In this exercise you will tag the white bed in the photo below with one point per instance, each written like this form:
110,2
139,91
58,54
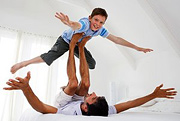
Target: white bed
30,115
159,111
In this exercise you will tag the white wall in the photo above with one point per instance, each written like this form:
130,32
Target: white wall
158,68
162,65
37,16
111,68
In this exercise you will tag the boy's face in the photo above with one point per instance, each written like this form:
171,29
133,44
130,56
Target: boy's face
97,22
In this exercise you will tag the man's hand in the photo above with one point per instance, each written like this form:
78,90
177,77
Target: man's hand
21,84
158,93
164,93
145,50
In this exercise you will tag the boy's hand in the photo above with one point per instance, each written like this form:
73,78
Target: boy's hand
64,18
21,84
164,93
145,50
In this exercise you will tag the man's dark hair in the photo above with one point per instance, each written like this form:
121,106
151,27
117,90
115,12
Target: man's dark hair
99,11
99,108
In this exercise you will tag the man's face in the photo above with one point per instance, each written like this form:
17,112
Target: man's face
91,98
97,22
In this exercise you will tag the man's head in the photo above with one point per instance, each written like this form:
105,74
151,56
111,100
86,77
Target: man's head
97,18
95,106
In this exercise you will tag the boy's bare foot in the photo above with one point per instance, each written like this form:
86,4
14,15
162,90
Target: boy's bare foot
16,67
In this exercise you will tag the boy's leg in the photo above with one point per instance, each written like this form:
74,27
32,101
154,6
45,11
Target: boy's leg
90,60
59,48
22,64
71,88
84,70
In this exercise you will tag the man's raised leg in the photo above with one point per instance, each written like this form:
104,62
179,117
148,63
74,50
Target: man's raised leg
84,70
71,68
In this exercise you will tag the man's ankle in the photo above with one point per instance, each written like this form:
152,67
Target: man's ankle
71,46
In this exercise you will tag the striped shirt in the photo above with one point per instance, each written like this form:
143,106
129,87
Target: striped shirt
85,28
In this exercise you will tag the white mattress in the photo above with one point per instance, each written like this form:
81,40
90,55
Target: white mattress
31,115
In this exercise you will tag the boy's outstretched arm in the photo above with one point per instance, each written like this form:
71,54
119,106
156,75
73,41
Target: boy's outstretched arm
158,93
23,84
65,19
123,42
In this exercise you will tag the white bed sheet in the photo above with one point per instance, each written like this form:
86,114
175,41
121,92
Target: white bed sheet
31,115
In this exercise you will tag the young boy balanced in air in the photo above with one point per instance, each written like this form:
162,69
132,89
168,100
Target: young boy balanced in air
90,26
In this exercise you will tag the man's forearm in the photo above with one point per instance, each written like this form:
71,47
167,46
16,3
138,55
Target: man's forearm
33,100
23,84
133,103
141,101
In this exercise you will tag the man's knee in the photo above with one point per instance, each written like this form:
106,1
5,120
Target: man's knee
85,83
73,84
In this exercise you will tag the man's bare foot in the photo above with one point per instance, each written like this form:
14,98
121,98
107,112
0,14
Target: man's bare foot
75,39
16,67
83,42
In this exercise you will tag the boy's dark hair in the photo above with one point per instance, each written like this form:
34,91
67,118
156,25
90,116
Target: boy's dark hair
99,108
99,11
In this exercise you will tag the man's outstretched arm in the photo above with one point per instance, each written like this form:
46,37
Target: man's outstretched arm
23,84
158,93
